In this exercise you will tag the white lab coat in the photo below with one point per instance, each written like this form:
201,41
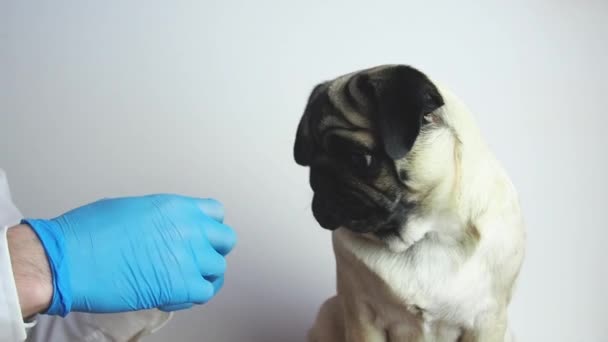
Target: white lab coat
76,326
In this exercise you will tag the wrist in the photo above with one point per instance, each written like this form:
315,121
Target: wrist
31,270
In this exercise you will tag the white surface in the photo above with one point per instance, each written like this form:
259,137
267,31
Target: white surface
122,97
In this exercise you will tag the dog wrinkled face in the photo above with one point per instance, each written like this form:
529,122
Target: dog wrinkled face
353,130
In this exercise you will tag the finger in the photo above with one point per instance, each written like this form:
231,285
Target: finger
199,291
217,282
222,238
175,307
209,261
211,208
202,292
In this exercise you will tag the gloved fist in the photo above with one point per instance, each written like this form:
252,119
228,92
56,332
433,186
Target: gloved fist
135,253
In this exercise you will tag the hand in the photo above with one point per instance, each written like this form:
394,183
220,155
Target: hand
134,253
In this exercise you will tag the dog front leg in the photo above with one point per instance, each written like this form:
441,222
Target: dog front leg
329,324
491,327
359,323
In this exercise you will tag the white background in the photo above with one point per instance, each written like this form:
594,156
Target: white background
111,98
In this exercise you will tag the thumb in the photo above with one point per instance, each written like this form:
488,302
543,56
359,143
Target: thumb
211,208
175,307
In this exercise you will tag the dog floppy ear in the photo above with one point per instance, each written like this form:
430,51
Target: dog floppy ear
404,96
303,148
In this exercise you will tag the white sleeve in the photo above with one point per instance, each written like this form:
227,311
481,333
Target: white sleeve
12,327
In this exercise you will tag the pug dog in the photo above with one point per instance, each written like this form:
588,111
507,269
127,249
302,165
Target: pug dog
427,231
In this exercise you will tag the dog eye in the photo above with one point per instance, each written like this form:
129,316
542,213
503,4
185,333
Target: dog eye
432,118
361,160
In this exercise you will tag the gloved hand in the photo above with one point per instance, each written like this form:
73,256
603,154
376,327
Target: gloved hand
134,253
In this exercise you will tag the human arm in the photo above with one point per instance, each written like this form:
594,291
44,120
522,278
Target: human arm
31,270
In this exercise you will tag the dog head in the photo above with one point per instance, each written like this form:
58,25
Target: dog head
381,147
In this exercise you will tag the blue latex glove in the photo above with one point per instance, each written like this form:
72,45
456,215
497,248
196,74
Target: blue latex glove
134,253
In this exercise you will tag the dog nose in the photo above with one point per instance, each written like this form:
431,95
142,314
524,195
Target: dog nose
322,179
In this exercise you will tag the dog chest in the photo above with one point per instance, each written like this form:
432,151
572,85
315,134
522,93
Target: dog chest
426,280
